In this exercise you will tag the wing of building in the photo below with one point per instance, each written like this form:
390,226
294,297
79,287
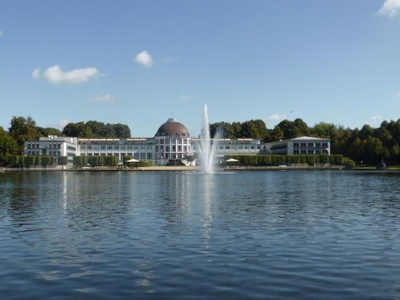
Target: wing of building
300,145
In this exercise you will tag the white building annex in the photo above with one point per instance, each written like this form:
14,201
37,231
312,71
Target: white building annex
301,145
53,146
172,144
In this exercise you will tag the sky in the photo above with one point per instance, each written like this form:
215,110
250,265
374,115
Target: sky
140,62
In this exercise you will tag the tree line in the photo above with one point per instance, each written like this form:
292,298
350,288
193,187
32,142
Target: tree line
25,129
367,145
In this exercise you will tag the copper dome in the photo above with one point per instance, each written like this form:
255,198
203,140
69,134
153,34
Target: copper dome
172,128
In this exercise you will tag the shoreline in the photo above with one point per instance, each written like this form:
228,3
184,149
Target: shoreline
177,169
196,169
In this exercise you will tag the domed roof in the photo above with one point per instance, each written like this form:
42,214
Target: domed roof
172,128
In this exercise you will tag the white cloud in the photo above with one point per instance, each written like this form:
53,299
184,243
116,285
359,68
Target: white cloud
276,117
186,97
104,98
377,118
144,58
57,76
398,95
390,8
375,121
36,73
1,33
62,123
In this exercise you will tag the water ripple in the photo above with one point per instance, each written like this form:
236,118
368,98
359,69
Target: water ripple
272,235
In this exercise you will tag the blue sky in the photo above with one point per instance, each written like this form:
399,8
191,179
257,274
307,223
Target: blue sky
140,62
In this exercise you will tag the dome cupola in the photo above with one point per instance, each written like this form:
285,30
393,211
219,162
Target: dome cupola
172,128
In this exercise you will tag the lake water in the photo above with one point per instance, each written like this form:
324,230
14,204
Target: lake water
141,235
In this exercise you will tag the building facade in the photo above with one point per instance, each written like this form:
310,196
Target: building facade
54,146
171,143
301,145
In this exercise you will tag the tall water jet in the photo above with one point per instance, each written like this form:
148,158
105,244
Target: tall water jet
208,147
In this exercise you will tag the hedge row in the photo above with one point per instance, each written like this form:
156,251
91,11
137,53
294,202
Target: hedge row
276,160
37,160
107,161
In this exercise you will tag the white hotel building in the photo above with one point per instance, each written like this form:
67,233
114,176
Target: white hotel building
171,143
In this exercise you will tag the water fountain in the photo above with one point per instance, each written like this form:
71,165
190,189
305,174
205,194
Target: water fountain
208,148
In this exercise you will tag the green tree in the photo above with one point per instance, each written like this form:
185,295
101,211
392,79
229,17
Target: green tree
277,134
23,129
95,129
225,129
301,128
122,131
111,160
8,147
237,129
49,131
62,161
75,130
254,129
30,161
292,130
366,132
80,161
324,130
46,161
373,150
342,140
